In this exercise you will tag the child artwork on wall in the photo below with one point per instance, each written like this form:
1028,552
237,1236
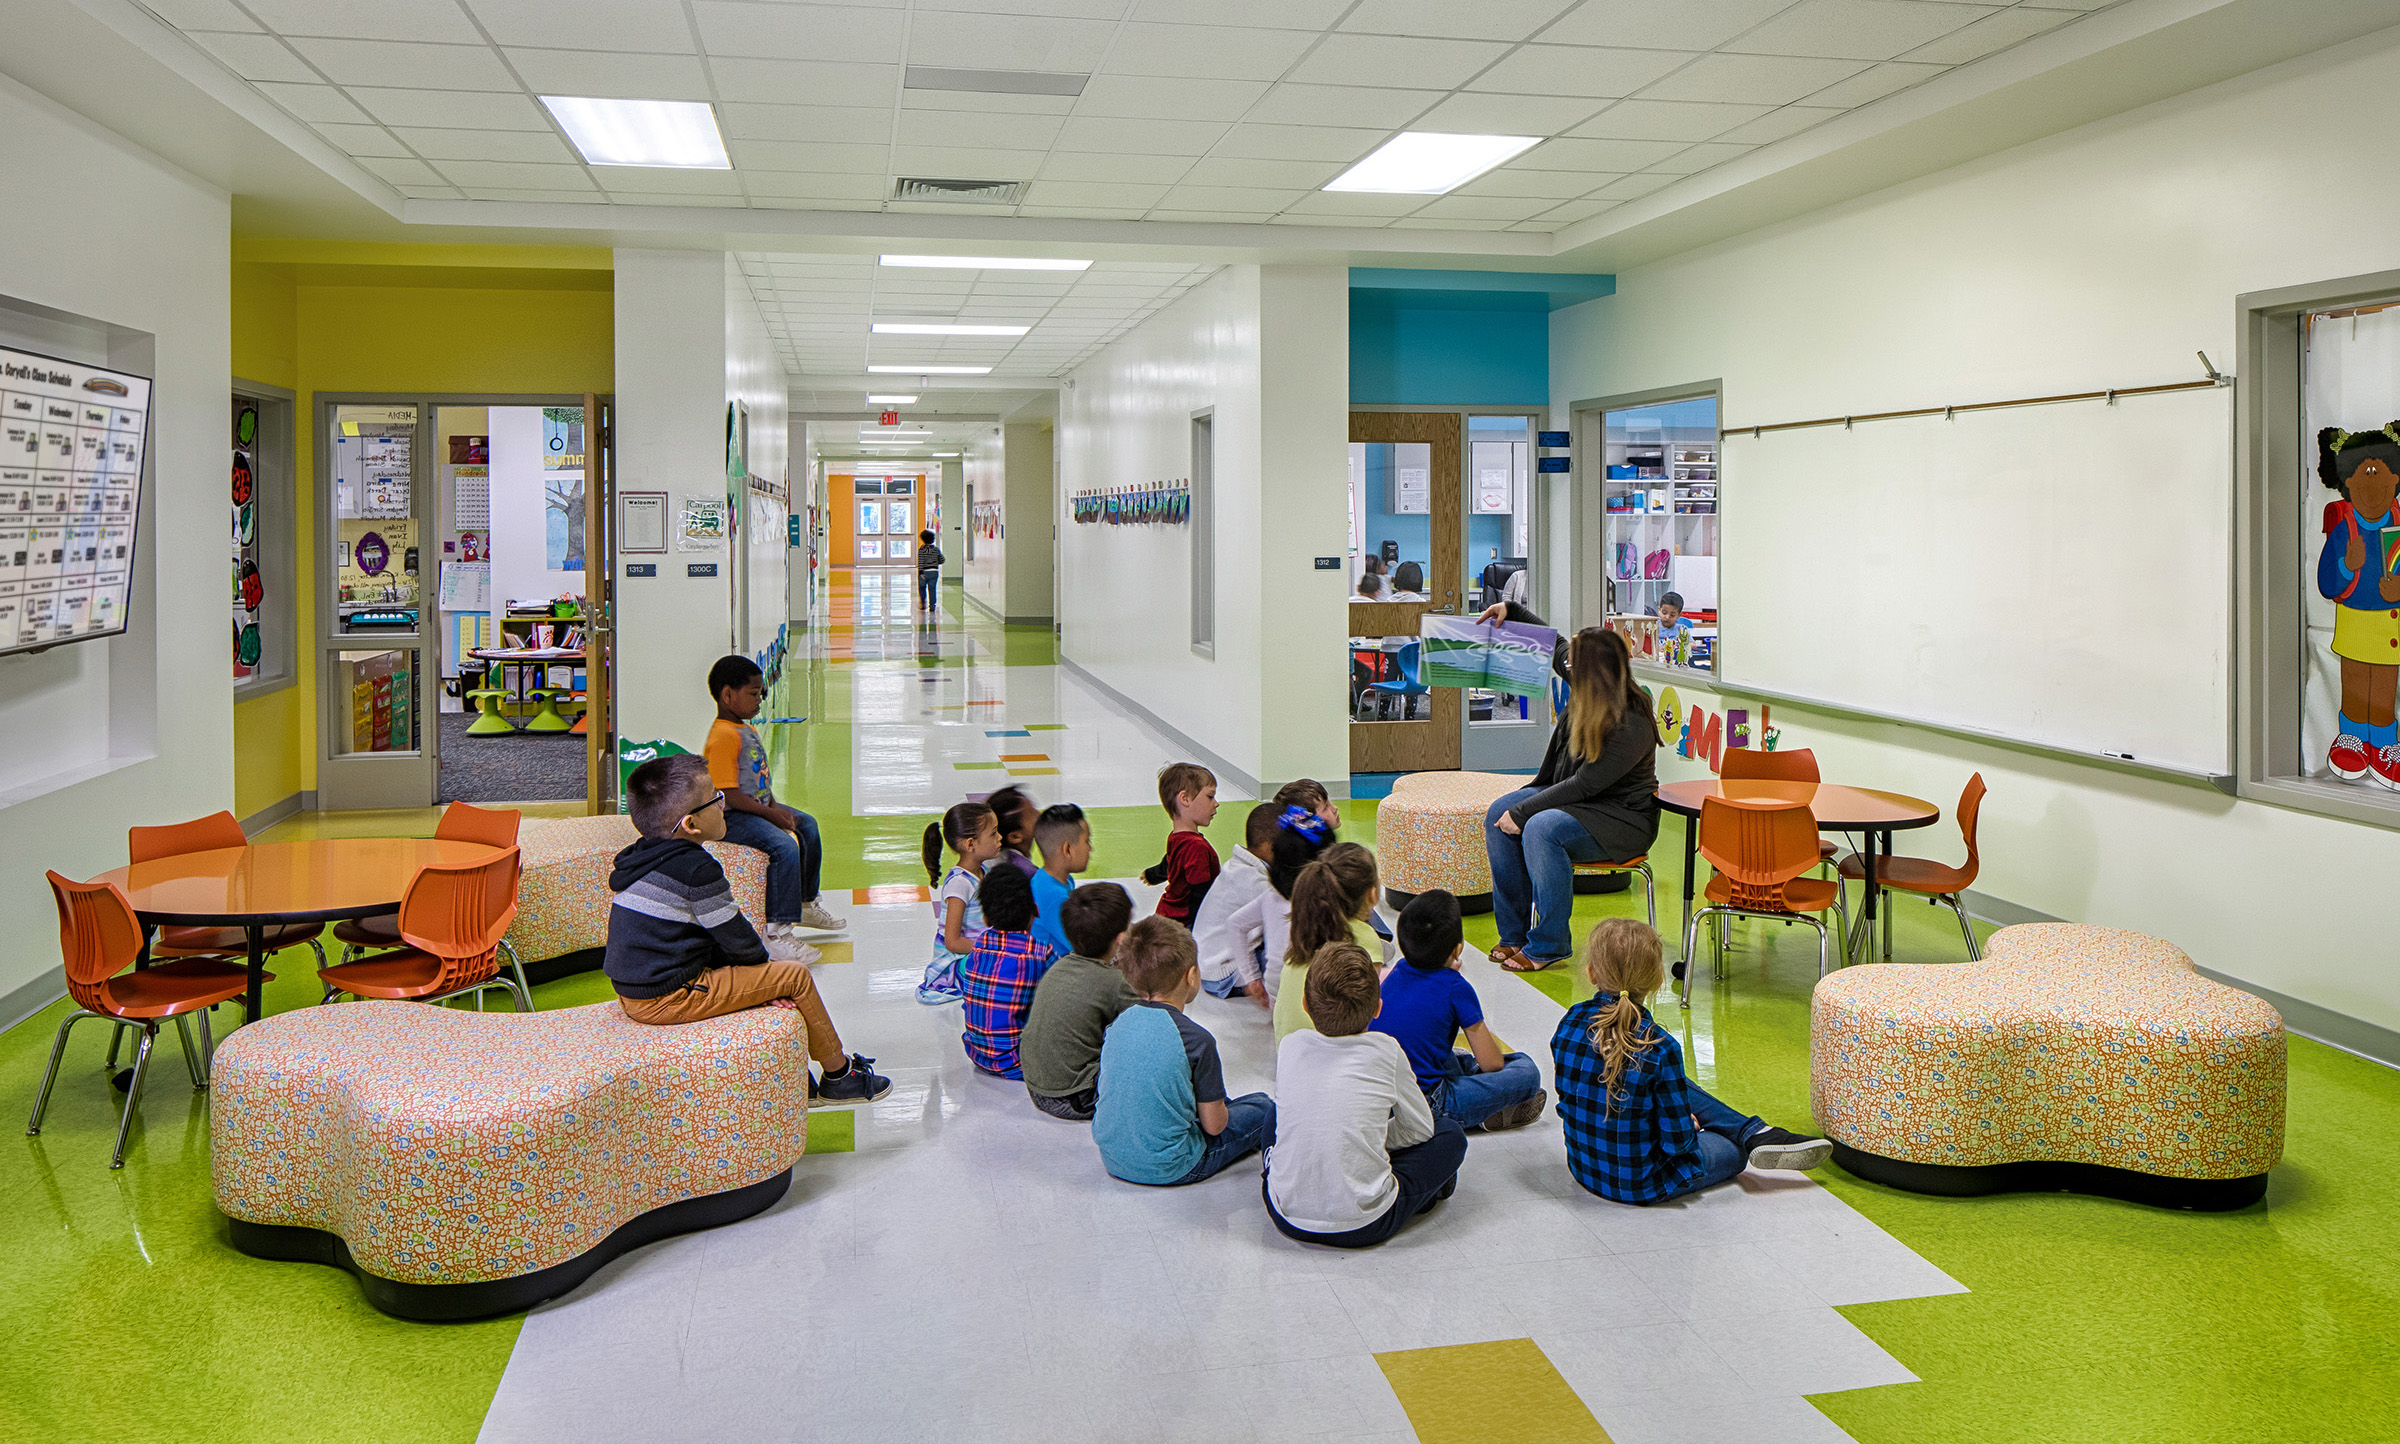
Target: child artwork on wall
2358,570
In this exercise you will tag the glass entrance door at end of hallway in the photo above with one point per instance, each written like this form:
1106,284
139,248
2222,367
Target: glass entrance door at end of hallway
886,513
1406,560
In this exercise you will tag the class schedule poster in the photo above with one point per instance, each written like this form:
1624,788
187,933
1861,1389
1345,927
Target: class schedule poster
71,439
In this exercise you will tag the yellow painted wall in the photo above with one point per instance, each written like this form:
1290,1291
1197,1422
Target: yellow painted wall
377,317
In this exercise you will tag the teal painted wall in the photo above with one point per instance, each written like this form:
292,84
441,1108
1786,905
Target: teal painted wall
1403,356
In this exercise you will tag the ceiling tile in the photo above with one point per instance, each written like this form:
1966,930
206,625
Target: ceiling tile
1874,84
819,185
986,101
1230,198
604,72
1776,124
1081,213
1608,156
1093,193
1067,9
618,24
1357,223
665,180
1342,105
1577,70
489,145
810,155
1287,14
1211,218
1483,20
1485,208
1627,187
438,20
1994,32
819,82
1355,203
534,197
964,162
1299,142
1680,25
402,172
316,104
362,140
1691,160
1136,169
1219,170
201,14
1449,223
1667,120
422,67
1211,52
649,198
1161,97
854,124
1574,211
983,129
800,32
257,57
1395,60
1141,137
513,173
1855,29
430,193
1547,185
1751,79
1006,42
465,109
1481,113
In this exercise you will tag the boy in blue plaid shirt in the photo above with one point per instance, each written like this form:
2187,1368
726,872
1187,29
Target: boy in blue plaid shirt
1637,1130
998,978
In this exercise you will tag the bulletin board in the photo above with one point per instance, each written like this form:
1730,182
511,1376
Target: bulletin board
72,439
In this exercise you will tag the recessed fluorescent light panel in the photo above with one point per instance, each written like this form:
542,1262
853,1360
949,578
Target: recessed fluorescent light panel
1427,163
944,328
986,263
945,453
891,400
994,82
929,370
679,133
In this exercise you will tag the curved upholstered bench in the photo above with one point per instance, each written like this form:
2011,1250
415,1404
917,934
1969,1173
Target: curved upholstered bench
466,1164
2074,1058
563,897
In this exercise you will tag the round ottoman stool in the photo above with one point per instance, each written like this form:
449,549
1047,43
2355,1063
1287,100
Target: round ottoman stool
1429,834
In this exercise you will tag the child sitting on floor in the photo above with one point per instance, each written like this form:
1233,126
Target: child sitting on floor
1638,1131
1330,901
1001,970
1162,1116
1065,839
973,834
1016,814
679,949
1357,1152
1188,792
1223,973
737,762
1309,794
1263,926
1427,1002
1075,1002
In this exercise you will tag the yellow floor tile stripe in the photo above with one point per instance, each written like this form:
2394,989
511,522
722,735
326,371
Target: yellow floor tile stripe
1498,1393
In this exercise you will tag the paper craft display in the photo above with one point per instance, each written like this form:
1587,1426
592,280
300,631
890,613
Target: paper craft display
249,587
1706,736
2355,571
706,525
71,442
466,587
1510,657
1160,503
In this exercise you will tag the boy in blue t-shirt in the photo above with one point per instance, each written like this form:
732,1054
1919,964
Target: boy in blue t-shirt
1065,841
1426,1003
1162,1116
1674,628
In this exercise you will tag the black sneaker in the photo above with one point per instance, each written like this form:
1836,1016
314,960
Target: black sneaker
1778,1148
858,1083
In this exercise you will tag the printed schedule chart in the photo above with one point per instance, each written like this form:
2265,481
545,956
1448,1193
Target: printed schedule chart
71,439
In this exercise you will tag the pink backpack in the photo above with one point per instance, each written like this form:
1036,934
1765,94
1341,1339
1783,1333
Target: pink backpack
1654,567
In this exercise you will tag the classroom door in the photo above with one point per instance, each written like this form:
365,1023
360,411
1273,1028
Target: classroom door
373,643
1405,507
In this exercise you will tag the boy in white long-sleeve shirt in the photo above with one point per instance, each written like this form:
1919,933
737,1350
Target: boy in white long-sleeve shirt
1358,1153
1227,968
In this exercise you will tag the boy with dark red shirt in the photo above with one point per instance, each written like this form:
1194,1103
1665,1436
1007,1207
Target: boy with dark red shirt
1188,792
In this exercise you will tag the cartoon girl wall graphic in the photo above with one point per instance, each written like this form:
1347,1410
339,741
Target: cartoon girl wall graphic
2359,569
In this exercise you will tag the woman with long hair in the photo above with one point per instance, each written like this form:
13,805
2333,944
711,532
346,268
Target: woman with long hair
1595,799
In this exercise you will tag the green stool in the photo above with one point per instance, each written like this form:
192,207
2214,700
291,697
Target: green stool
548,719
487,712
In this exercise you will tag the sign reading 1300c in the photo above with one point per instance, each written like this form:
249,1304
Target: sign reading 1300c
71,440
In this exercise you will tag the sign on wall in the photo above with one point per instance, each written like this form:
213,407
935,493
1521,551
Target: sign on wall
71,444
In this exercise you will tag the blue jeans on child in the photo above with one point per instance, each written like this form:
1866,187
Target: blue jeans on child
793,867
1249,1127
1724,1139
1227,986
929,588
1533,877
1470,1095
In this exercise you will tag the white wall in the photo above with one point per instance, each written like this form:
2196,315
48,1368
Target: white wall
1267,350
520,511
2102,257
754,377
1031,476
984,469
142,247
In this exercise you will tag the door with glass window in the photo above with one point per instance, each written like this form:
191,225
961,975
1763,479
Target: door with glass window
374,607
1405,561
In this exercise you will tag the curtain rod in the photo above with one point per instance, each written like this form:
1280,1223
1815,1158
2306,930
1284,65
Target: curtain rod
2214,378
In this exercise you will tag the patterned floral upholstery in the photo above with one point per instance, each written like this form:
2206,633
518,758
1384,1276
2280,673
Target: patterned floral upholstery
563,898
1429,832
2066,1044
449,1147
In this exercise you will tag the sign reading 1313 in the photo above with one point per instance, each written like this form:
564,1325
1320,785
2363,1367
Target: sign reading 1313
71,440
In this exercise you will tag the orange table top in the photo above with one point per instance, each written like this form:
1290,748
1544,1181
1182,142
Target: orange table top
1836,808
315,881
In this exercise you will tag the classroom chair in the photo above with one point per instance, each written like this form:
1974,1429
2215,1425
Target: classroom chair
493,827
203,834
546,718
1405,688
488,718
1639,865
99,938
1751,764
1936,882
451,924
1758,851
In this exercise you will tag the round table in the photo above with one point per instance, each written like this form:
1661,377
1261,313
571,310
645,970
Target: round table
1836,809
270,884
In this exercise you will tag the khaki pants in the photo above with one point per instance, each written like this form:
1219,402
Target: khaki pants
729,990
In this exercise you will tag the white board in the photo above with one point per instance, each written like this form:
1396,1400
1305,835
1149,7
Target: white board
2058,575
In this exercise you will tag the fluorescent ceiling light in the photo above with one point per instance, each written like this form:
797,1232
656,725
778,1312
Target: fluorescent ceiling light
891,400
1427,163
945,453
944,328
889,435
987,263
679,133
929,370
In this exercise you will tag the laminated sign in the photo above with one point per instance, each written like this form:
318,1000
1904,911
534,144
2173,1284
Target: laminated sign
1497,656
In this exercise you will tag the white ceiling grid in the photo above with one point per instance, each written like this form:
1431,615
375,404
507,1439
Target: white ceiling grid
1225,111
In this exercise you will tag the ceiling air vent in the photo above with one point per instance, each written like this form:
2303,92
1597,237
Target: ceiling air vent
973,192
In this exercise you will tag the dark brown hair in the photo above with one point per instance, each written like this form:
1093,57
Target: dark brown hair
1344,990
957,825
1328,894
661,792
1094,916
1156,954
1178,778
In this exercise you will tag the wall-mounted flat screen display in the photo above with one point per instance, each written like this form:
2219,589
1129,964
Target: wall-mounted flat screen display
71,441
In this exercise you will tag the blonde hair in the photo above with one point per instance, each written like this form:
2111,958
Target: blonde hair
1327,895
1622,957
1600,691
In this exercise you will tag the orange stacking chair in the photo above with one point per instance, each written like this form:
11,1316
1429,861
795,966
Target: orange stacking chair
451,923
99,937
1759,851
1749,764
460,823
208,834
1938,882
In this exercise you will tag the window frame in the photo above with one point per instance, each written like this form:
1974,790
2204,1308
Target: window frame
1588,584
275,491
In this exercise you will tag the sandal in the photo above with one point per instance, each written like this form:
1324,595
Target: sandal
1516,961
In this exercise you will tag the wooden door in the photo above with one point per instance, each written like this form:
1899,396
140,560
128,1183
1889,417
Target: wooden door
1420,515
599,605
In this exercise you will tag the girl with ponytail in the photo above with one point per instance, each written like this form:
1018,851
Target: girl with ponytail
1638,1130
1330,902
972,831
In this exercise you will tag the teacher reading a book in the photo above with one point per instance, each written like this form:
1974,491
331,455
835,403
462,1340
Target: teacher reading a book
1595,799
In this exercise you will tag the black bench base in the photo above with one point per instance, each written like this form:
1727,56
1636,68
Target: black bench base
456,1303
2198,1195
1586,883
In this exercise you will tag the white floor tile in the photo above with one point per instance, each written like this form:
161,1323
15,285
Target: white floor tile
1803,1351
1712,1282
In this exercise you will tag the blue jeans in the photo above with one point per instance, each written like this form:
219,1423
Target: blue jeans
1470,1095
929,589
1533,877
1724,1140
1249,1127
793,865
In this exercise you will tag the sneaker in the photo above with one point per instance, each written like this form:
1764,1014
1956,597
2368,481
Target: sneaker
859,1083
1778,1148
814,917
782,947
2348,757
2385,768
1517,1115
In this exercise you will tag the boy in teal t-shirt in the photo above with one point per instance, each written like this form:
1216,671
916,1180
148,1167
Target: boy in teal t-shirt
1162,1117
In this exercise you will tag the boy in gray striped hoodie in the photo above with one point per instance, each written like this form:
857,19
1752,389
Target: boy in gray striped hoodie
679,949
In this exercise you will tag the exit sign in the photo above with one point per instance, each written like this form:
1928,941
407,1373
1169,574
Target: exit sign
888,418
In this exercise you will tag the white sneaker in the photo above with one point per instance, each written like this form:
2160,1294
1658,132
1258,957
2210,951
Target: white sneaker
782,947
814,917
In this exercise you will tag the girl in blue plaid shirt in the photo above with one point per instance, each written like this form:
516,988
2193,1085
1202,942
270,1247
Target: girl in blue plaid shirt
1638,1131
